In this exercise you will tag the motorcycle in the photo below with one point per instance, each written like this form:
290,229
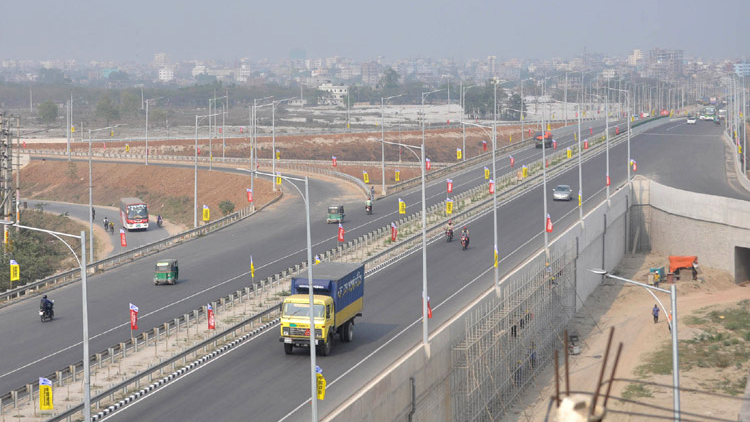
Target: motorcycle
449,235
48,313
465,241
368,209
159,222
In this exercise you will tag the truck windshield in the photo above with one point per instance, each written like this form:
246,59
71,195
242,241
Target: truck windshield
302,310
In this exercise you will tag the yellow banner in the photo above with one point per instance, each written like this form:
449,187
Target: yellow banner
569,153
398,175
525,172
459,153
495,258
486,173
278,180
449,207
321,387
45,397
127,148
278,155
401,207
15,272
72,129
549,127
575,136
206,214
580,199
366,177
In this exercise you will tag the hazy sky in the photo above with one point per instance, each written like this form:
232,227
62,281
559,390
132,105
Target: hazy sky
133,30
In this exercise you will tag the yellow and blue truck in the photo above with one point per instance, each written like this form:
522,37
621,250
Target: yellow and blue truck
338,291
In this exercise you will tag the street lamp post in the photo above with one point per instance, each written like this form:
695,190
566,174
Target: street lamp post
382,138
463,111
273,135
306,199
147,101
580,171
253,143
628,116
84,309
673,323
212,102
195,179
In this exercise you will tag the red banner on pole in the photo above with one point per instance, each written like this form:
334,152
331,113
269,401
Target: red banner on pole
608,181
341,233
394,232
554,144
484,146
450,186
427,164
241,129
133,317
210,317
123,242
512,161
333,158
492,186
617,130
199,150
429,308
586,144
635,166
249,195
591,130
548,226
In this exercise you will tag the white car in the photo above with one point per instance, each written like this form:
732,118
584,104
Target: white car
562,193
690,120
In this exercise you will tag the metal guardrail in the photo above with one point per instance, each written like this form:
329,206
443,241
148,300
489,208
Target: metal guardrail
393,254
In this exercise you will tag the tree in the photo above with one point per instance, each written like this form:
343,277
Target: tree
48,112
226,207
514,104
52,76
389,82
105,109
130,103
205,79
119,76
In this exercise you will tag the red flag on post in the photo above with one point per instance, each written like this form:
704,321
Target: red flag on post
585,144
635,166
133,317
210,317
341,233
249,195
199,150
123,241
554,144
394,232
492,186
548,226
429,308
484,146
512,161
427,164
333,158
591,130
450,186
608,181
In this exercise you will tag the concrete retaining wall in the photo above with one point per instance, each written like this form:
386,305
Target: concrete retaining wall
670,221
389,396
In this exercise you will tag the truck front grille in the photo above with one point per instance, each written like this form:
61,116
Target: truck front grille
298,332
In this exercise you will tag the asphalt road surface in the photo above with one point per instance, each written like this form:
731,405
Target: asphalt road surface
258,381
211,267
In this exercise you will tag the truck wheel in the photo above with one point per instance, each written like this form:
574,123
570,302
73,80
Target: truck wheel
347,332
325,349
288,348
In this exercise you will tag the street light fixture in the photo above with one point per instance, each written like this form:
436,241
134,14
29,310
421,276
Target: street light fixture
195,179
382,138
673,323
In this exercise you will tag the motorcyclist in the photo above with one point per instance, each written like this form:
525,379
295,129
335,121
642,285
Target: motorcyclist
159,221
45,304
465,232
449,226
368,204
111,227
106,223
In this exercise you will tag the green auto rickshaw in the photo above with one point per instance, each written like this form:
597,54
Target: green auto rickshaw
335,214
167,271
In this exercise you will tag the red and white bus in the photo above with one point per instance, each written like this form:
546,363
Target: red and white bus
133,214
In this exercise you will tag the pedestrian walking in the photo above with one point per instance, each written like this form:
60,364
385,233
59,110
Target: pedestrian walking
372,193
656,279
655,312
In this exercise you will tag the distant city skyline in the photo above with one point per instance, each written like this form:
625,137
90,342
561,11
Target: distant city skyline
223,30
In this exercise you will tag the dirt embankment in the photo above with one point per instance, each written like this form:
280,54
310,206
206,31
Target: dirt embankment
168,191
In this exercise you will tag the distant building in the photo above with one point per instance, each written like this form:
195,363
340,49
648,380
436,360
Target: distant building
491,60
335,94
636,58
742,69
664,64
199,69
161,60
370,73
609,73
166,74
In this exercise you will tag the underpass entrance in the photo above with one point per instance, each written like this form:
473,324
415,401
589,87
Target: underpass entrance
741,264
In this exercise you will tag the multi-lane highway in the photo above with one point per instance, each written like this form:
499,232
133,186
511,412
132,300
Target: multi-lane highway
258,381
210,268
